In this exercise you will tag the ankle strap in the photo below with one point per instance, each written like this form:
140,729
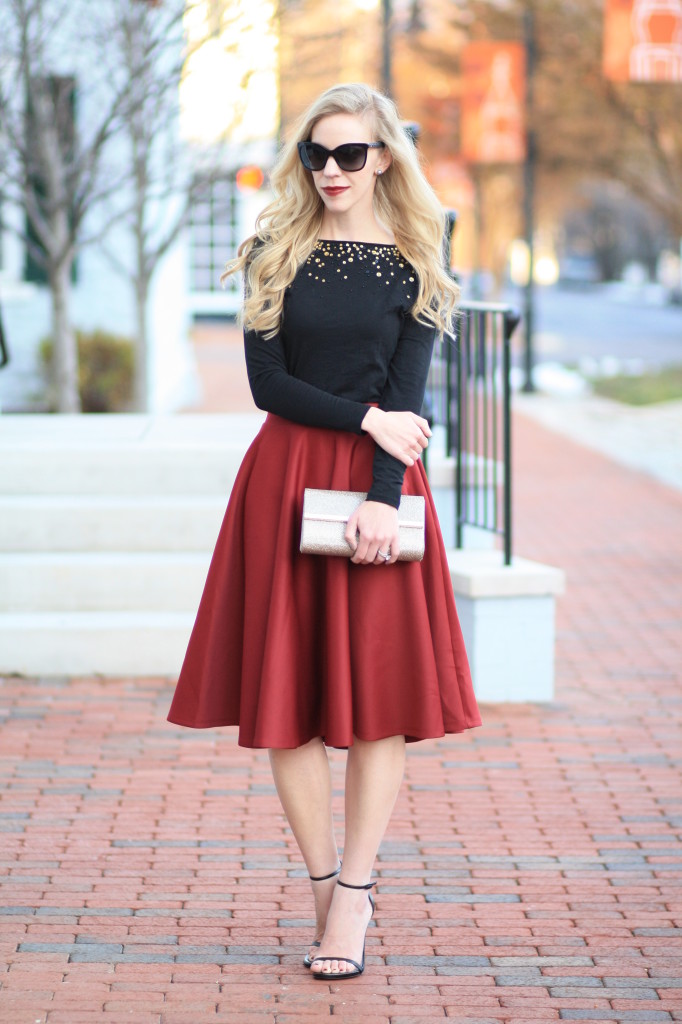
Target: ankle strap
347,885
323,878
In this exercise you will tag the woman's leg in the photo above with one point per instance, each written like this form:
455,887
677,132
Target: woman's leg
303,783
374,772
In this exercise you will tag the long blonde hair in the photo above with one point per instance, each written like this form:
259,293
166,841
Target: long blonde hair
289,226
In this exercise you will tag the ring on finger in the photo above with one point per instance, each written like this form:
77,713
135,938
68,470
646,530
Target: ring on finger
386,555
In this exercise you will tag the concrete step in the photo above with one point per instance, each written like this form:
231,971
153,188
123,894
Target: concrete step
57,523
107,524
91,643
102,581
123,455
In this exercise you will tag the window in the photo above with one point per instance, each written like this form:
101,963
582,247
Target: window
214,236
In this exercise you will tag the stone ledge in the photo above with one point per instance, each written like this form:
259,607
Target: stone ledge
507,619
483,574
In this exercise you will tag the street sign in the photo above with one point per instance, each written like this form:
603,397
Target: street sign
493,101
643,40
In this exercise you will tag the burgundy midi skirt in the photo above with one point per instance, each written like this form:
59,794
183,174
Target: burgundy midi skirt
290,646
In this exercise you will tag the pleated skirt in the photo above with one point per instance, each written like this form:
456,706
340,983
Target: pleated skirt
289,646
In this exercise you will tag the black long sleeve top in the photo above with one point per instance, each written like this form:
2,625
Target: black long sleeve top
347,339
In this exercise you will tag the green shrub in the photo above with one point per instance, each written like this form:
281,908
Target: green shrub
106,368
664,385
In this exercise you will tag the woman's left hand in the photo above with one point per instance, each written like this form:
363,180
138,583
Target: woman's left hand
373,528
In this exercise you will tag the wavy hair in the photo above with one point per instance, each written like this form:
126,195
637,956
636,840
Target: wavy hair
288,228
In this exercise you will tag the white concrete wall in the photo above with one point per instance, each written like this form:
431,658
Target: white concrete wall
507,617
102,296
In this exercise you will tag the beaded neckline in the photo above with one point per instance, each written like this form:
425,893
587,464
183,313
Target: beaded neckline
381,260
343,241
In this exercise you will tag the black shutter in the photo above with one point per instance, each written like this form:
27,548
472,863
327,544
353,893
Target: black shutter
61,92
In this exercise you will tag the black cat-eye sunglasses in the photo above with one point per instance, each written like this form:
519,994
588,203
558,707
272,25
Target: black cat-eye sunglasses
351,156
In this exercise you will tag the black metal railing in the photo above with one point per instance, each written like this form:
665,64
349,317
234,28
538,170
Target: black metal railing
469,394
4,354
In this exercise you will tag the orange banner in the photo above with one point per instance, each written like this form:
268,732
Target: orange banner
493,99
643,40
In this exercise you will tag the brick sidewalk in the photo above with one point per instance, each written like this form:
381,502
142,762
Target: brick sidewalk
219,351
531,872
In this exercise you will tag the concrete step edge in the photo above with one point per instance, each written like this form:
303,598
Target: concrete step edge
102,559
107,581
94,643
89,525
95,620
96,502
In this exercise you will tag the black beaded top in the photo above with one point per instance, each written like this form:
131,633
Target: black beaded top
347,339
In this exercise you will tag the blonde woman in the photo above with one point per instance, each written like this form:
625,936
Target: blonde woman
345,291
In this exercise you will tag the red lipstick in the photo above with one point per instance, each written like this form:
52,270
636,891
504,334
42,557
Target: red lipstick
335,191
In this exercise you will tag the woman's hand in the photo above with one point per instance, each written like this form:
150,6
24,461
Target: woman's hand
404,435
373,528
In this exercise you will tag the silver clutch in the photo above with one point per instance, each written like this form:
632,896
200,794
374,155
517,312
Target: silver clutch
326,514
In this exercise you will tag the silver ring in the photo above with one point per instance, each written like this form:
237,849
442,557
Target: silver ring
385,555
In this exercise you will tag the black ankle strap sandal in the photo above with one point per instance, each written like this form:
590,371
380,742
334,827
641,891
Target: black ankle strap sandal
323,878
307,960
359,967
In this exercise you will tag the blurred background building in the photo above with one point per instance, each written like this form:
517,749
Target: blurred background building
586,96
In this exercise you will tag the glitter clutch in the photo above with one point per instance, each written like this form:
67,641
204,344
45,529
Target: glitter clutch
326,513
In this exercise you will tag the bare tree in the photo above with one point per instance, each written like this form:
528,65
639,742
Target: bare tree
146,44
53,166
586,126
164,174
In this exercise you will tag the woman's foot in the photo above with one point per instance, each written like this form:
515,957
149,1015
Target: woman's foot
342,951
323,890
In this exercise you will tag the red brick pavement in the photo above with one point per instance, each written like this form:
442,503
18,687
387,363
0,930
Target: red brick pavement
531,872
219,351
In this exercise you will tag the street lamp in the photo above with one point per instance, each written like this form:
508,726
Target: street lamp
386,16
386,69
529,199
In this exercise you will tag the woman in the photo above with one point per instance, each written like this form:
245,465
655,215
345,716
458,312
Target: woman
345,291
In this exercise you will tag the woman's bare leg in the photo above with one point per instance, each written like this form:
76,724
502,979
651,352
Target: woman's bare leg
374,772
303,783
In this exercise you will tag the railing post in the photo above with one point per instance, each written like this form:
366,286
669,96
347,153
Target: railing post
460,412
506,406
448,394
511,321
4,354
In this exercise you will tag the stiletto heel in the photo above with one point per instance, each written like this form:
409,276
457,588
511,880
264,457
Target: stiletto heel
359,967
321,878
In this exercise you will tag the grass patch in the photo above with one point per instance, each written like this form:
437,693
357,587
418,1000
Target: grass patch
644,389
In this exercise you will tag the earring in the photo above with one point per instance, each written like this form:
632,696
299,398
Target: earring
379,172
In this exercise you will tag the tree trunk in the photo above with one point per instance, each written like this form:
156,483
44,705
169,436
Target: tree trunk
141,390
65,352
